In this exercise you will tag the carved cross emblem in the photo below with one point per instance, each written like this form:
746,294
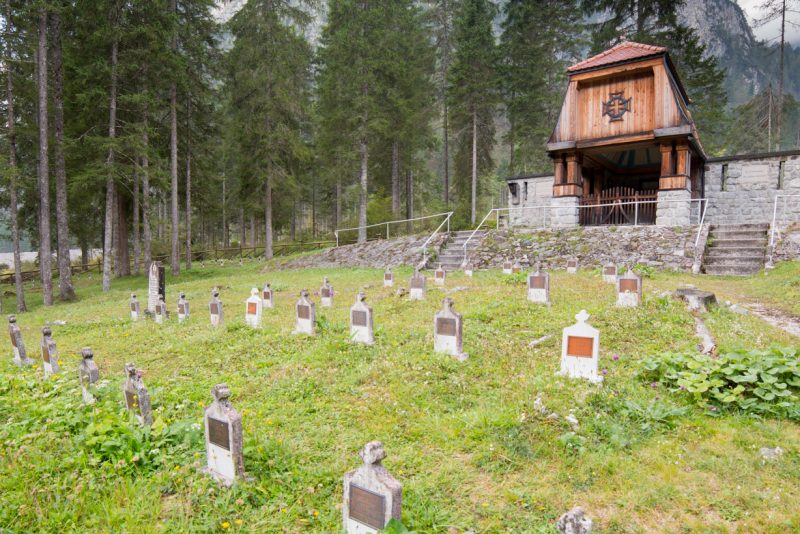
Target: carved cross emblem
616,106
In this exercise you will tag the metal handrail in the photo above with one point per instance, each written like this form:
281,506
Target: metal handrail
387,223
478,228
773,225
424,246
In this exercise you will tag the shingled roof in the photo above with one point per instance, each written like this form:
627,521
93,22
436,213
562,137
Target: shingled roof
625,51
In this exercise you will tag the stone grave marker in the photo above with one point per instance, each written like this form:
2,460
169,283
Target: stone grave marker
252,309
224,441
539,287
267,297
183,308
17,345
136,311
161,310
468,269
517,267
326,294
580,349
629,290
49,353
305,315
88,373
448,331
156,285
439,276
610,273
372,497
417,286
137,399
361,329
572,266
507,266
215,309
388,277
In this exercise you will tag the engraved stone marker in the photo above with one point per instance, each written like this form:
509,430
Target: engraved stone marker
326,294
539,287
388,278
439,276
361,330
417,289
136,311
468,269
215,309
156,285
516,268
372,496
88,373
305,315
49,353
580,348
610,273
252,310
629,290
507,266
183,308
267,300
137,399
447,331
17,345
161,310
224,441
572,266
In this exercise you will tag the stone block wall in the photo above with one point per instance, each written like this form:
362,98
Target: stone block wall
531,191
674,208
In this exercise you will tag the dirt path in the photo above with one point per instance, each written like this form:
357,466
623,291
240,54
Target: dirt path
776,318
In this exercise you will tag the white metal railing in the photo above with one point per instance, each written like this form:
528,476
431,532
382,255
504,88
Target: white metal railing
424,246
774,223
702,204
448,214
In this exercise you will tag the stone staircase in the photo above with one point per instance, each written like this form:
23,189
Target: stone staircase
451,255
736,249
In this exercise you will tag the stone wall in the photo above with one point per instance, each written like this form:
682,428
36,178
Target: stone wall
787,243
527,192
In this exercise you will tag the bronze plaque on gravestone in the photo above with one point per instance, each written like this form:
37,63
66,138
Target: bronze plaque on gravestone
445,326
417,282
367,507
439,274
580,347
218,433
506,266
132,400
214,308
182,309
265,296
133,307
387,276
46,354
572,263
610,270
628,285
303,312
537,282
359,318
251,308
326,293
13,339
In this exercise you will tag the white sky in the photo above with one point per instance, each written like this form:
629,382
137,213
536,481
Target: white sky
772,30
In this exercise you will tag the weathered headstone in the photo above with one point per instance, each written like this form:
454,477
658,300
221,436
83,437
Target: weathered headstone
417,286
572,266
388,278
326,294
224,440
183,308
468,269
361,329
267,297
252,309
580,349
610,273
215,309
136,311
156,285
439,276
629,290
88,373
305,315
137,399
372,497
516,267
448,331
696,299
507,266
539,287
161,310
49,353
17,344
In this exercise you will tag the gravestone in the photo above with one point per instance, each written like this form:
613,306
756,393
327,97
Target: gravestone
156,285
417,286
183,308
252,309
326,294
224,442
439,276
448,331
696,299
507,266
215,309
88,373
388,278
516,268
136,311
371,497
572,266
610,273
137,399
17,345
361,329
161,310
539,287
629,290
468,269
267,300
580,349
305,315
49,353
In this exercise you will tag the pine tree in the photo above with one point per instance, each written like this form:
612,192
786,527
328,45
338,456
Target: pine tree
45,256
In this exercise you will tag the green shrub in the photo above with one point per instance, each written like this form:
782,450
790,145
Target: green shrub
758,382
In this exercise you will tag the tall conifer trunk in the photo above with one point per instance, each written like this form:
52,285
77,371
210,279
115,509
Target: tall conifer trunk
45,255
108,227
362,191
474,203
137,244
395,179
147,236
175,260
268,217
188,191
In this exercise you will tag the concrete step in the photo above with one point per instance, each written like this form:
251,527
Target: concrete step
734,260
735,243
740,227
732,270
725,252
748,235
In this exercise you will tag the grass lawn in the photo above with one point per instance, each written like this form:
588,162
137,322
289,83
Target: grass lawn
463,438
